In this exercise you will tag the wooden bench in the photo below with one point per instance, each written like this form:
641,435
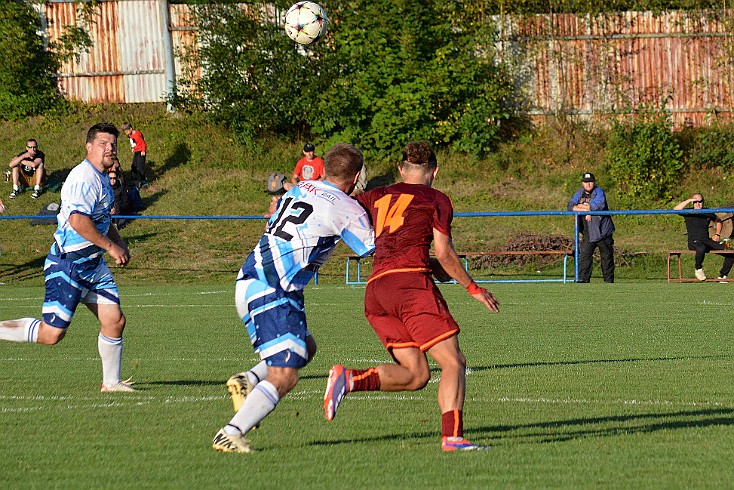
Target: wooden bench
680,253
465,256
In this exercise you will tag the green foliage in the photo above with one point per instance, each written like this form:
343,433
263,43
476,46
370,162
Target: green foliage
26,87
255,80
714,147
387,73
644,157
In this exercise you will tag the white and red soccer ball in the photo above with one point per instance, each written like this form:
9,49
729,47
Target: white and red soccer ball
306,22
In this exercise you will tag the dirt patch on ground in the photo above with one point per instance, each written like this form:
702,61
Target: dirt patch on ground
527,242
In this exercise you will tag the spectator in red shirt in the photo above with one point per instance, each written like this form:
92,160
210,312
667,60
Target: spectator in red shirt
137,142
310,167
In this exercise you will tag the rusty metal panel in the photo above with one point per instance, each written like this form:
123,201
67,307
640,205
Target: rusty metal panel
125,63
141,51
595,65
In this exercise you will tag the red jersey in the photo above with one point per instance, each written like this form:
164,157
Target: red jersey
137,141
404,216
310,170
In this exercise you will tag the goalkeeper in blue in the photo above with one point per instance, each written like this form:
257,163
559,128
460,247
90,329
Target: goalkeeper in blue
309,221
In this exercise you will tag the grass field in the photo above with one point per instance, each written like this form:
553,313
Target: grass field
623,386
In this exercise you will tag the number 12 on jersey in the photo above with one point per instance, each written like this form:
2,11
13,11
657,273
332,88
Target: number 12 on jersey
391,216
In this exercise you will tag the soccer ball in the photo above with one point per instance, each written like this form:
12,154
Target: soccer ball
306,22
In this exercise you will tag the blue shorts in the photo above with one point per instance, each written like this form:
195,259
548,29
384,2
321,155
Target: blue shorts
68,284
275,321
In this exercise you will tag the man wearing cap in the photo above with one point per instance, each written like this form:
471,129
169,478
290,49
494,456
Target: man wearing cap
596,231
310,167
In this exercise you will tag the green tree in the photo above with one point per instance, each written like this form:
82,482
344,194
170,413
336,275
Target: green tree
388,71
26,87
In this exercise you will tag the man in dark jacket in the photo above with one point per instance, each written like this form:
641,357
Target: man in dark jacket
597,231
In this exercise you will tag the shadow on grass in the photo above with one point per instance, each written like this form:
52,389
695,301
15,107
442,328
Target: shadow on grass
613,425
179,382
587,361
568,430
180,156
32,269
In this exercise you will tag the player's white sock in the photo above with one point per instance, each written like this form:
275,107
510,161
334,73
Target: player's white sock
16,187
110,350
20,330
258,373
258,404
37,188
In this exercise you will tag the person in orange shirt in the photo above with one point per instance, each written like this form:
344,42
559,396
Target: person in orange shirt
139,148
310,167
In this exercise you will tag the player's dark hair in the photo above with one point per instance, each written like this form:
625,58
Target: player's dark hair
420,153
343,161
107,128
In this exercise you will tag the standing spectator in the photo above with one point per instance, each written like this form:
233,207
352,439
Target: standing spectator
403,304
697,226
597,231
75,271
309,167
139,147
27,168
310,220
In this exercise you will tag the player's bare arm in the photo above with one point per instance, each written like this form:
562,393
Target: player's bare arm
85,227
449,260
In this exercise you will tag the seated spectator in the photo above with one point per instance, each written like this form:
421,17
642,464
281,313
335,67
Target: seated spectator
117,169
277,186
309,167
697,226
122,202
28,170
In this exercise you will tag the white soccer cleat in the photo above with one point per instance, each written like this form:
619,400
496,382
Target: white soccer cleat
122,386
231,443
700,275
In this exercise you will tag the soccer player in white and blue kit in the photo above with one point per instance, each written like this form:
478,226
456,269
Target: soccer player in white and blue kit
309,221
75,271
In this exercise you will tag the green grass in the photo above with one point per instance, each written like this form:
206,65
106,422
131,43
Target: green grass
623,386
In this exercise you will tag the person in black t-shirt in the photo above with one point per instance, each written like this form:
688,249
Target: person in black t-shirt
28,168
697,226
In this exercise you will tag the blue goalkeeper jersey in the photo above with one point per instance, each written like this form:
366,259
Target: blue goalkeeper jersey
310,220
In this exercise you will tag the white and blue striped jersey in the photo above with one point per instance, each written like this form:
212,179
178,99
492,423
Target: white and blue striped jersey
310,220
86,191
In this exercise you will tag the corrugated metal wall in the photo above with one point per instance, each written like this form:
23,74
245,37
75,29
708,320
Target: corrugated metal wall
579,65
594,66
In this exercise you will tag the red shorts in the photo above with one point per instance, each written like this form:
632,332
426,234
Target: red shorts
406,309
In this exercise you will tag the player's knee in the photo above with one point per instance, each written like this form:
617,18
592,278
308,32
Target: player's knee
421,377
48,335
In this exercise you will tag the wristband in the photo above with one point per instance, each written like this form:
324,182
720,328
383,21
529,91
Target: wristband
472,288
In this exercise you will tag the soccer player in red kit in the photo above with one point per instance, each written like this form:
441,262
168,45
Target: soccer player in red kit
403,304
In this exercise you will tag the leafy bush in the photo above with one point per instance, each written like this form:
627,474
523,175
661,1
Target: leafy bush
713,146
645,159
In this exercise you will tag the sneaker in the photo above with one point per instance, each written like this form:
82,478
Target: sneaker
122,386
230,443
336,390
460,444
36,193
14,194
144,184
239,387
721,279
700,275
